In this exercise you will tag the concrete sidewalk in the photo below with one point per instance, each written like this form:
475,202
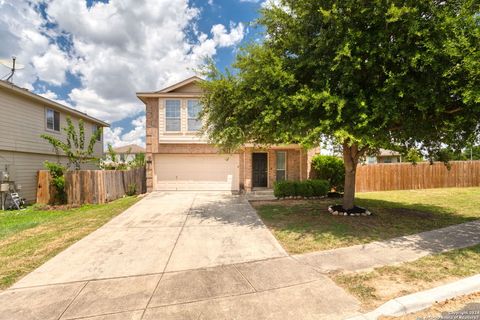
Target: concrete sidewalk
278,288
394,251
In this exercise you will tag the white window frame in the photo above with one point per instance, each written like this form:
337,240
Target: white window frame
276,164
46,120
179,115
195,119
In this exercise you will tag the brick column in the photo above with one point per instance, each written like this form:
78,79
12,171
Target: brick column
247,156
151,140
272,167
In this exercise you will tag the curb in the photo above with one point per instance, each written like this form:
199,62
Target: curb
424,299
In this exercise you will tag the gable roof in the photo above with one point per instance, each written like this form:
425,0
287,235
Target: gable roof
170,90
50,103
130,149
180,84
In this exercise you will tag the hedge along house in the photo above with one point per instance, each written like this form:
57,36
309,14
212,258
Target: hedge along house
24,117
178,158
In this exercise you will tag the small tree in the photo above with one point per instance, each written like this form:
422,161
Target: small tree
74,148
111,153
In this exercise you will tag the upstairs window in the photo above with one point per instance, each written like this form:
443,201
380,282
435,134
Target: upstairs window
53,120
96,128
194,108
172,115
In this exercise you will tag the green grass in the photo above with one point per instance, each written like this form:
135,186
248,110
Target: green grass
30,237
382,284
305,225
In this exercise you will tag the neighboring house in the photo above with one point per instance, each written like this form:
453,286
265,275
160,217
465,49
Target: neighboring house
178,158
384,156
24,116
128,153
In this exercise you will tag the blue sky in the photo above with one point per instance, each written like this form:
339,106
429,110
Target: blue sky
93,55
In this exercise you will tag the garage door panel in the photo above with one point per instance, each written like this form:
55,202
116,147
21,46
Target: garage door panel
196,172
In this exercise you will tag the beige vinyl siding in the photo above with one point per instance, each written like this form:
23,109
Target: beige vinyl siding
23,168
22,121
189,88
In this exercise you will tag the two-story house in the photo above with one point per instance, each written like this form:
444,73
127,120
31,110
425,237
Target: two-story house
24,117
178,158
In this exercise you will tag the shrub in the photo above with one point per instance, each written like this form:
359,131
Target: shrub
320,188
282,189
57,172
132,189
329,168
304,189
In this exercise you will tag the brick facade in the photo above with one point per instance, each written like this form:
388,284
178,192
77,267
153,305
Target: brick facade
297,165
297,159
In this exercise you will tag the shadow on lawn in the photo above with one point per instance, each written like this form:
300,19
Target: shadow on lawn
389,220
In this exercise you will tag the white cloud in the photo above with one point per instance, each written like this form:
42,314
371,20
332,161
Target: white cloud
22,35
223,38
128,46
117,48
116,137
54,97
52,65
113,136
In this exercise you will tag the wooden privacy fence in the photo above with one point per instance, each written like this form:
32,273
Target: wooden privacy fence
405,176
93,186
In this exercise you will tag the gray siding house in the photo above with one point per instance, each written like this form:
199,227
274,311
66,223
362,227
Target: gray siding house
24,116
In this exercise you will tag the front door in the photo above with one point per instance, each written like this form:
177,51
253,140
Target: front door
259,170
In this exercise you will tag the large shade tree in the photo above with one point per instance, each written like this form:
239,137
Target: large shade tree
396,74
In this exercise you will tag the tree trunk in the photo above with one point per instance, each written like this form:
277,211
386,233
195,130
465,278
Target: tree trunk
351,155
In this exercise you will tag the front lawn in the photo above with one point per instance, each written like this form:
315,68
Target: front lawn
385,283
30,237
305,225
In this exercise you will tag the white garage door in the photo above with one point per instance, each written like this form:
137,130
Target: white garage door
196,172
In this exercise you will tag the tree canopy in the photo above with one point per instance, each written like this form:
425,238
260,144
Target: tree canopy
396,74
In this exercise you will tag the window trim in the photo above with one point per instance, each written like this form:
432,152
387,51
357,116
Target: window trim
166,118
188,116
59,120
276,163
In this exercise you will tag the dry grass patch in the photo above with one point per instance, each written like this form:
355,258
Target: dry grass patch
30,237
464,307
305,225
385,283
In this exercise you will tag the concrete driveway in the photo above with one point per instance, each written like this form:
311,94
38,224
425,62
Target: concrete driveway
182,255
